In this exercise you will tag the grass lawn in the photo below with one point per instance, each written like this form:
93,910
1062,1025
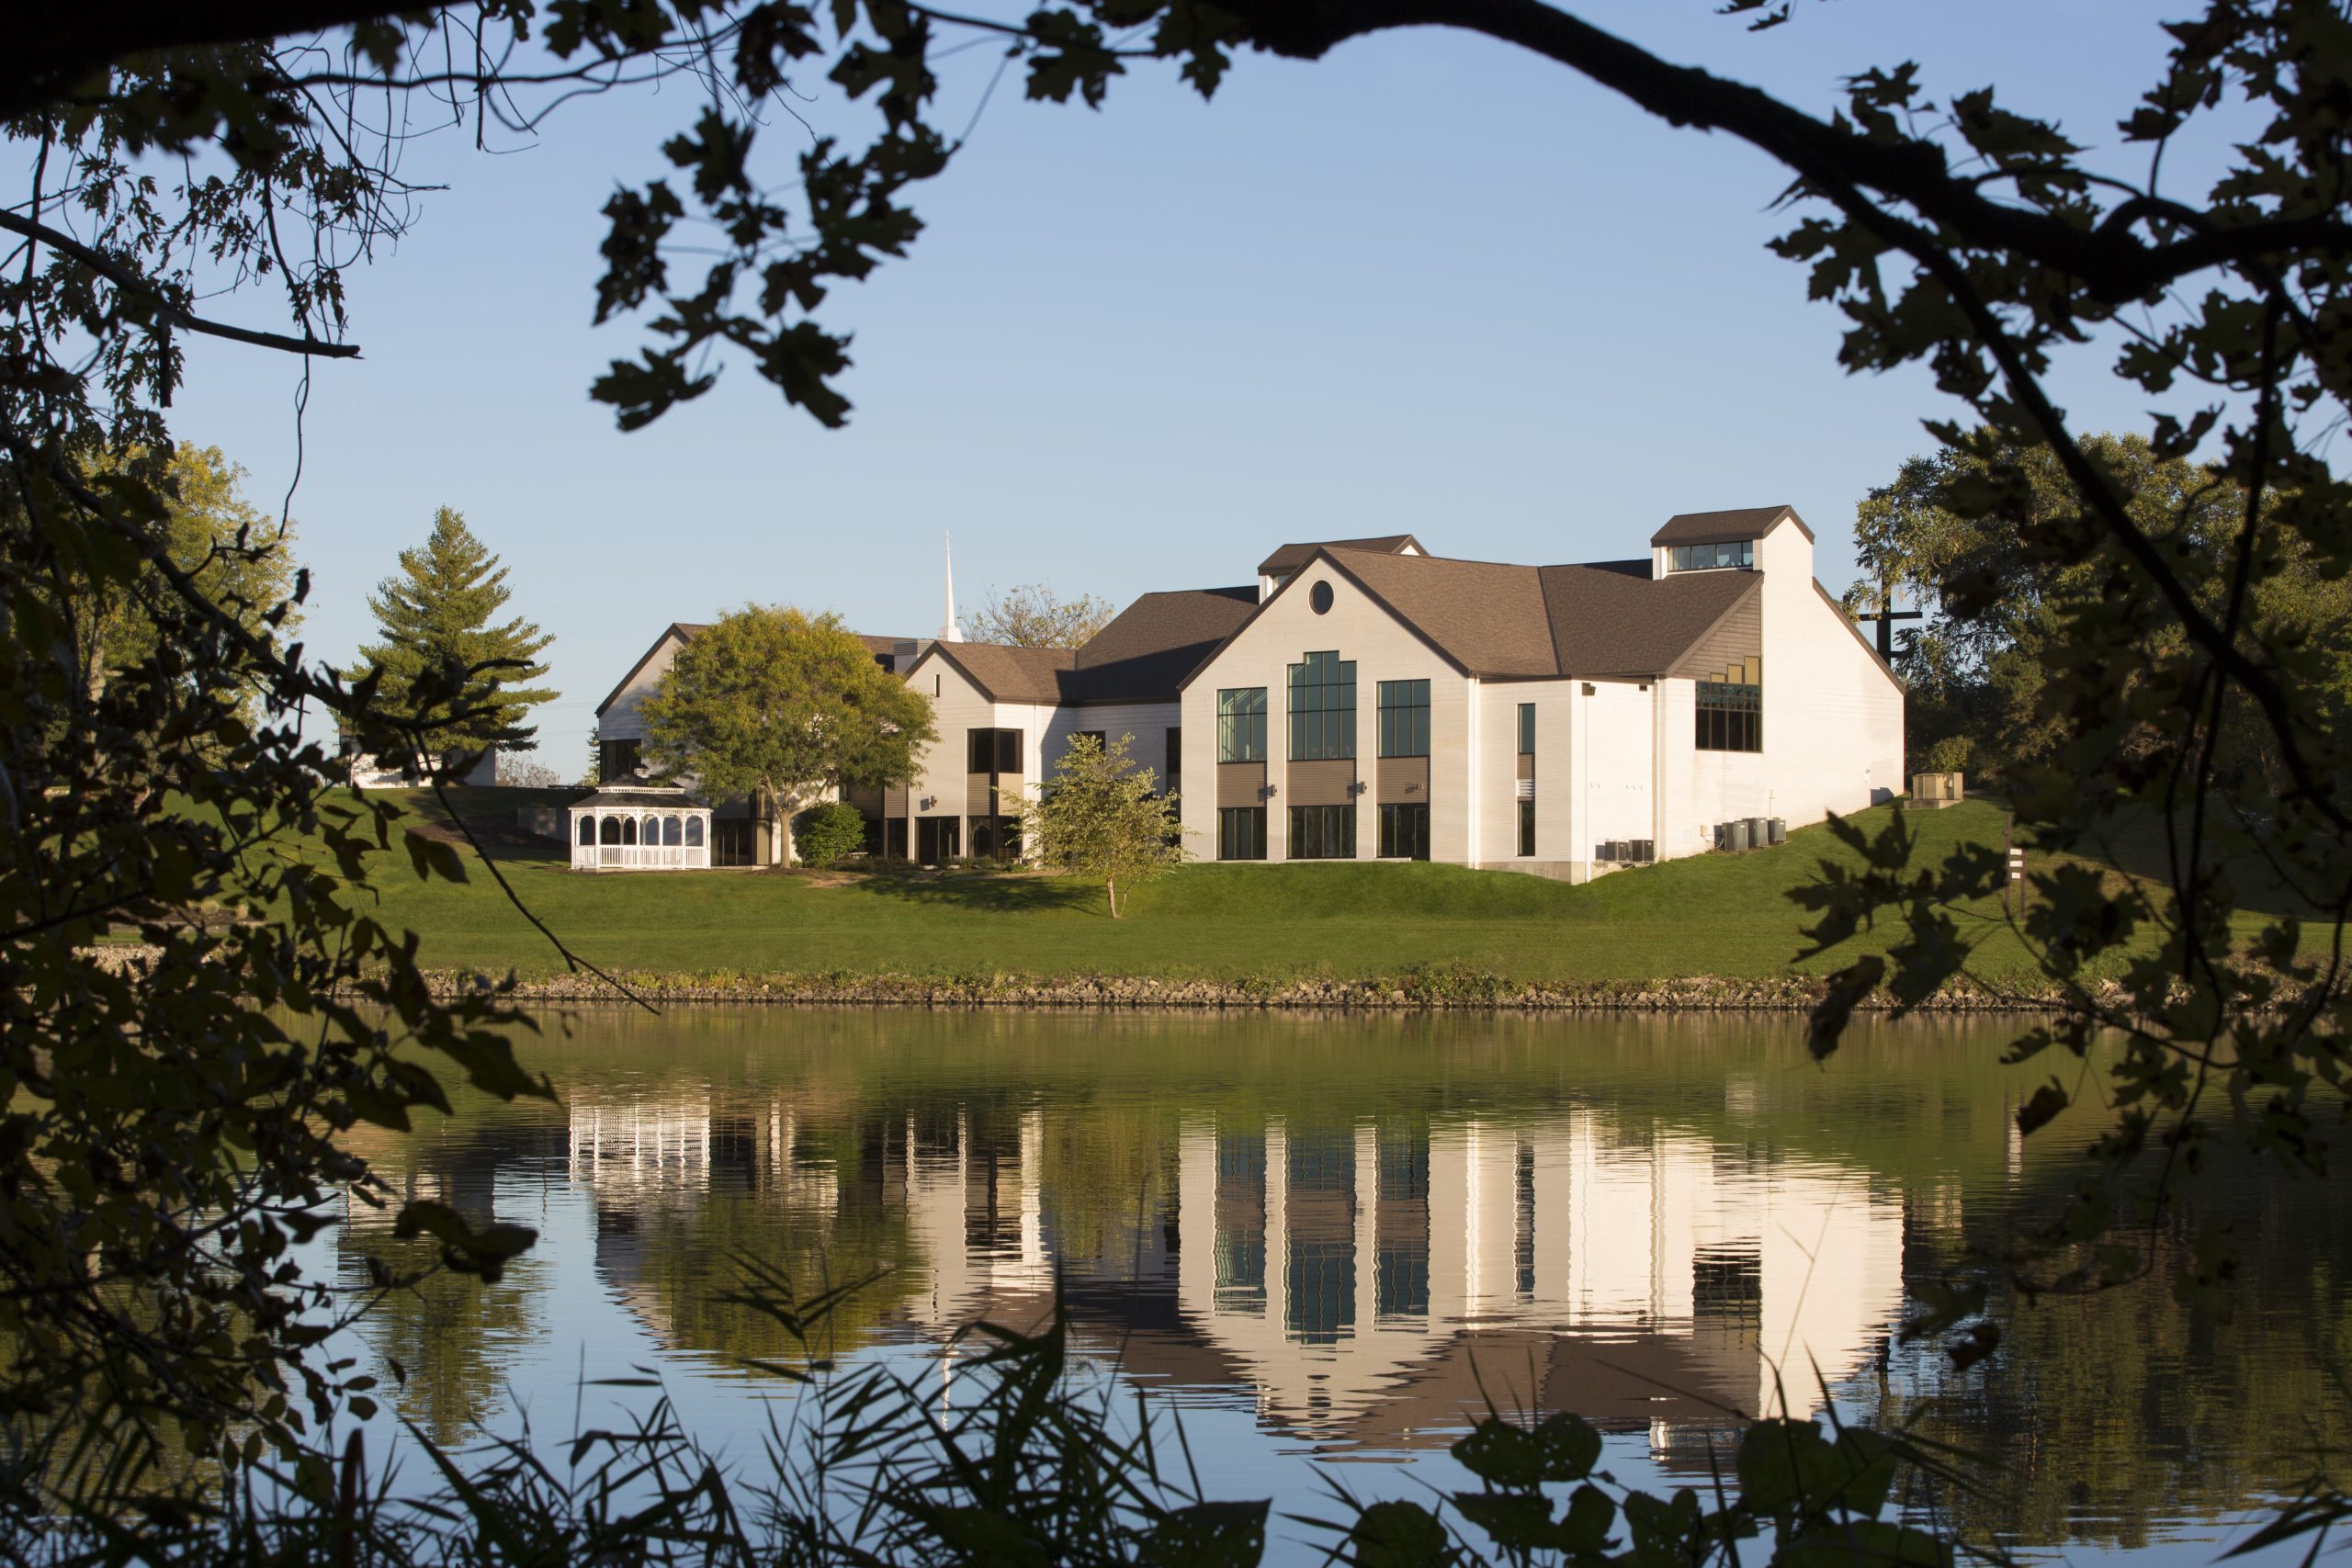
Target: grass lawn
1717,914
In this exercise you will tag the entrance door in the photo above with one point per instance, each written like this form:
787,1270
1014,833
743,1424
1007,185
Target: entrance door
938,839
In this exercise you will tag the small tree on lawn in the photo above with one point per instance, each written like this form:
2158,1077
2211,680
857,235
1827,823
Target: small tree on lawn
780,706
1097,818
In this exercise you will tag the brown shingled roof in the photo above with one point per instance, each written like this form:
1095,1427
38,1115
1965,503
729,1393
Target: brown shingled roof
1604,622
1713,527
1145,654
1485,616
1490,619
1290,558
1008,675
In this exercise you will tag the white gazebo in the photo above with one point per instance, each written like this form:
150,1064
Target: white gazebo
634,825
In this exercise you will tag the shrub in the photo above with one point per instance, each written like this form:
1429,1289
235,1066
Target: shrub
825,833
1949,755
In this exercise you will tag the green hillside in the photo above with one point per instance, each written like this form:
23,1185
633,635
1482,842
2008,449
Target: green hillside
1722,914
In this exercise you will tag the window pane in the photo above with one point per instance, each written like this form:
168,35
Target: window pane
1527,827
1527,730
1731,718
1241,724
1322,707
1322,832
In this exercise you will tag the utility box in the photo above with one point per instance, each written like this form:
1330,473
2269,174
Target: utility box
1933,792
1779,829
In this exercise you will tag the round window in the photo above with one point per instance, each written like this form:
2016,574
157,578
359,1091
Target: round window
1318,598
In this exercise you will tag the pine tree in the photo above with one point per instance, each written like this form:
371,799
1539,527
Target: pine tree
435,619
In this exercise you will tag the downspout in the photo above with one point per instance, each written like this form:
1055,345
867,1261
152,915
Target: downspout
1658,766
1471,757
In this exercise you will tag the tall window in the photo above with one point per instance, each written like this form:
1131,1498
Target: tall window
1739,553
1405,832
1731,719
1527,730
1241,832
1241,724
1526,827
1322,708
1322,832
1171,778
1404,718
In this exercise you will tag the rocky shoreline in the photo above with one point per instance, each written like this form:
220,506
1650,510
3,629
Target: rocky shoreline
1441,990
1438,986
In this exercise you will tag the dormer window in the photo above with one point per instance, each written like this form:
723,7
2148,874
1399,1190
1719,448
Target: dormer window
1728,554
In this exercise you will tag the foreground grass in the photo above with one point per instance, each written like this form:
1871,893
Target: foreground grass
1712,914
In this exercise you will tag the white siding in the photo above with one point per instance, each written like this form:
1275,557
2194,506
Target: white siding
1615,734
1148,723
1833,717
1384,649
621,719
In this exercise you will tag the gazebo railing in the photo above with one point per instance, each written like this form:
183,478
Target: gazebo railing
644,856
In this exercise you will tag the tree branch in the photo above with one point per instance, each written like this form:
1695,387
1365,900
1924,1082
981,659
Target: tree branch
64,42
2115,264
130,282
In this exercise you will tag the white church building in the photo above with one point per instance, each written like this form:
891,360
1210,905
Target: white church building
1368,699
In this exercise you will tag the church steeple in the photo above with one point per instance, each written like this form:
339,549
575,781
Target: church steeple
948,632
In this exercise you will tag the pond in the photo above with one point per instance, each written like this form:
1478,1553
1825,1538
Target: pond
1326,1242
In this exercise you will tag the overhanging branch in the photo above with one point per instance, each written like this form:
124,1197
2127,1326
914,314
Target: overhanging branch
2113,264
130,282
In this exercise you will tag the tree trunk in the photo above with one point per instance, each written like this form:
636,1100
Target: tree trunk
1110,887
786,851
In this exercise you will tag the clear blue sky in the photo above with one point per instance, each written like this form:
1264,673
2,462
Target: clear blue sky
1426,284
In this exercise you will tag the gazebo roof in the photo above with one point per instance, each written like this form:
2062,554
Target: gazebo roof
627,797
635,793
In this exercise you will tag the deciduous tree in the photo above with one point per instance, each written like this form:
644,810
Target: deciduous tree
1031,615
167,148
1100,818
779,706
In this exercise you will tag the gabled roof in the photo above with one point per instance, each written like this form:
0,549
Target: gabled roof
1716,528
1606,622
1493,620
683,630
1145,654
1290,558
1005,673
1142,656
1485,616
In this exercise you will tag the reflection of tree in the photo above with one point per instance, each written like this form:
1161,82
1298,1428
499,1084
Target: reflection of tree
2103,1413
817,1136
454,1336
679,1264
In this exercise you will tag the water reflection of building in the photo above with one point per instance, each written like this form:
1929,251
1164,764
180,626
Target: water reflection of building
1346,1268
976,1204
1368,1281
